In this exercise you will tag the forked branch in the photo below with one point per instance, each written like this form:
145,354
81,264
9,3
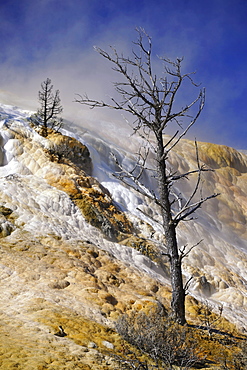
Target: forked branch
190,207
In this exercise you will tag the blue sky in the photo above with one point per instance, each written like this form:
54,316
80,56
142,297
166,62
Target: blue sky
55,39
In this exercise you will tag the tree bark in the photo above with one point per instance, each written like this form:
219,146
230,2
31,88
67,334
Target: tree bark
178,292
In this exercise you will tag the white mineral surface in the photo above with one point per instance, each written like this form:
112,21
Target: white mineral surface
45,219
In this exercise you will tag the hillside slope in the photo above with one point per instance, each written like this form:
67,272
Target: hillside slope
76,248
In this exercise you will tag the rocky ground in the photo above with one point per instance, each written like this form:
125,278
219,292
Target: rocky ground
71,262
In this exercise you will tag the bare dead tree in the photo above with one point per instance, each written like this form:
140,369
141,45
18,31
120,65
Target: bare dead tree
150,100
47,115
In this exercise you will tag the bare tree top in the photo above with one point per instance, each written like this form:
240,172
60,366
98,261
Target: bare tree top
148,97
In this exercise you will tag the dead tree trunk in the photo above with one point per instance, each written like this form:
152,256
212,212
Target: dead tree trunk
178,293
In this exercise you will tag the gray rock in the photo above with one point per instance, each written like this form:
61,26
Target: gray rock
92,345
107,344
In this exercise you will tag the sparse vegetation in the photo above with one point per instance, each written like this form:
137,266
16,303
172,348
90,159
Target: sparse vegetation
48,114
167,344
154,341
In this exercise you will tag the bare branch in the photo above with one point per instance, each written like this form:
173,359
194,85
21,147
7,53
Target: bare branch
186,174
192,208
125,175
187,284
150,217
184,254
189,207
202,102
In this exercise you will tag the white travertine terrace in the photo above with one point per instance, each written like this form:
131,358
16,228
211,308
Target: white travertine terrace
218,265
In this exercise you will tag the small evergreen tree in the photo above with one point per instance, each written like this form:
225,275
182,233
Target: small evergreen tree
47,115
